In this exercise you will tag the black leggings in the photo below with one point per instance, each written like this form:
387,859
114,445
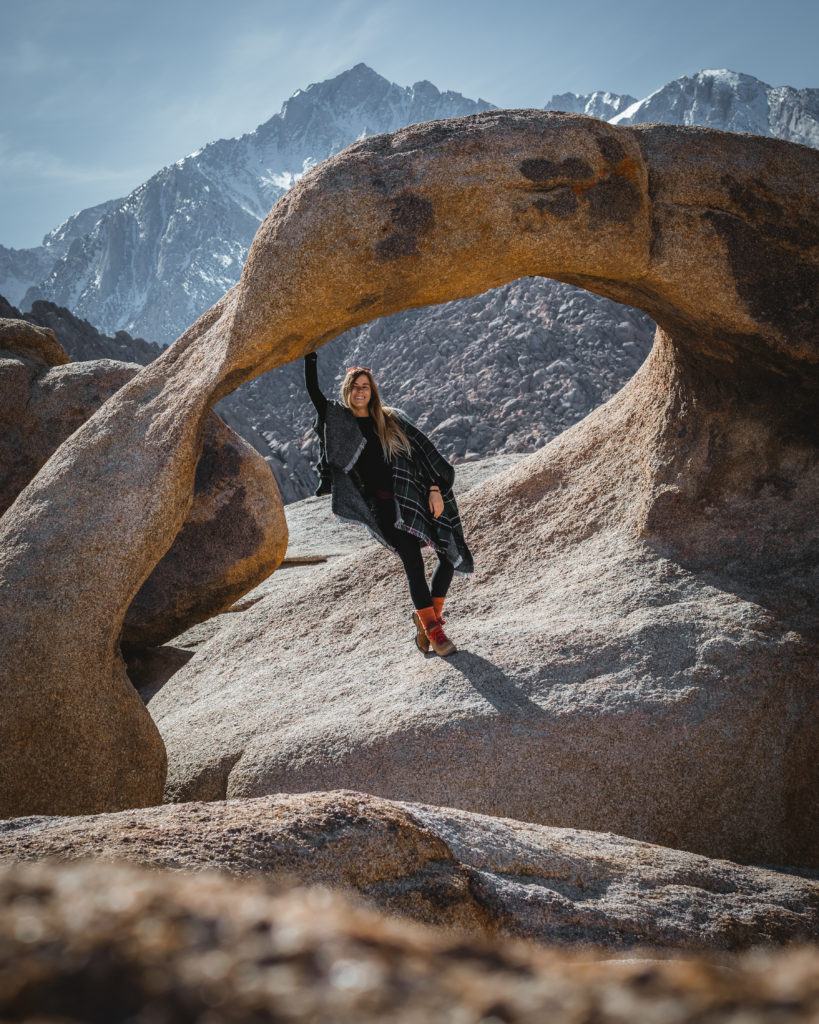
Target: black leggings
409,551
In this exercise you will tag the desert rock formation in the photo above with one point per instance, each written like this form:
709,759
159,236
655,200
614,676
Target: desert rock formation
103,942
235,534
468,872
687,501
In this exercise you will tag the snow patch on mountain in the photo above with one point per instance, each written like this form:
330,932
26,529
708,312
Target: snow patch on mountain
604,105
732,102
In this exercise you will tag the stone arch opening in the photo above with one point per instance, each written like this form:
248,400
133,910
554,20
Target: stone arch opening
708,456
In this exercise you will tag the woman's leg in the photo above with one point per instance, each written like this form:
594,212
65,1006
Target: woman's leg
441,578
409,551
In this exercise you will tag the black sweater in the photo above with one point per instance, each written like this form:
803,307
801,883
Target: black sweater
373,468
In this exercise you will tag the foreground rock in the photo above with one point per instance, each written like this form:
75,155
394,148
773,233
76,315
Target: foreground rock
441,866
664,552
92,942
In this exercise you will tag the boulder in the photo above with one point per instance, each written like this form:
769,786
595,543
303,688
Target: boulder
112,942
469,872
29,342
235,533
641,653
234,536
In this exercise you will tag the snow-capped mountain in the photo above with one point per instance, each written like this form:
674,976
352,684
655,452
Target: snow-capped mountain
604,105
152,262
500,372
20,268
731,102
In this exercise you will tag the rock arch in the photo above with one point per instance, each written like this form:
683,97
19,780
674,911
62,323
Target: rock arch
714,235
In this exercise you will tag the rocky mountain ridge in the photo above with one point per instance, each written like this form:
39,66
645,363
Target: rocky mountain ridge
731,102
151,262
81,340
157,258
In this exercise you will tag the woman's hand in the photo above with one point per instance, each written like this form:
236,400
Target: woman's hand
436,503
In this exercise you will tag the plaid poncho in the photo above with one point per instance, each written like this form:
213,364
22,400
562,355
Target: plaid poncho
340,445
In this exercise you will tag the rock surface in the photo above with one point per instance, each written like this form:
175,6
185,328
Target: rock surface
234,536
480,875
664,552
81,341
94,942
235,533
315,541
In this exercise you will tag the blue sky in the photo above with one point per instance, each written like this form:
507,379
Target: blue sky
96,95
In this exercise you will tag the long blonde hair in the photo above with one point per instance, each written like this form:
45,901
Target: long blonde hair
393,439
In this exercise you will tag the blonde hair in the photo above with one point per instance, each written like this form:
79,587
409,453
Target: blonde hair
393,439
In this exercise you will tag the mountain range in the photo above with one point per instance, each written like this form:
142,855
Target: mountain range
503,371
152,262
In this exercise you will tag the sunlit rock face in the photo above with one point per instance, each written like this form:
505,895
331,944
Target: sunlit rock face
465,872
638,653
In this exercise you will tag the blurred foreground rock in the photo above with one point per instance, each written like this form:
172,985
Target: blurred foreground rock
441,866
109,943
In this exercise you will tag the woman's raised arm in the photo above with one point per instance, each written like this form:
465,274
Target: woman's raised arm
312,384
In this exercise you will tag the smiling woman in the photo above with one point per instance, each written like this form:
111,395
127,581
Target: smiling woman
384,474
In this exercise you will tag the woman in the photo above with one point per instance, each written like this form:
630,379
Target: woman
385,474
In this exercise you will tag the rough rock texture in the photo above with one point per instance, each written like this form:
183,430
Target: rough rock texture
235,533
440,866
234,536
80,339
664,550
33,343
91,942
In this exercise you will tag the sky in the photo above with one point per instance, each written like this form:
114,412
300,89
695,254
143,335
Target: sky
97,95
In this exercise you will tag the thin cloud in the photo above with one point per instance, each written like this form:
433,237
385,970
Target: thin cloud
38,163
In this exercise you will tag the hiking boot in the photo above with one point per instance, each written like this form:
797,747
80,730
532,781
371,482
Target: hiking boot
421,638
438,639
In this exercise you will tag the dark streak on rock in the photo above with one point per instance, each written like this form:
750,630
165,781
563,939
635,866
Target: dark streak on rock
218,466
750,202
615,199
562,203
777,287
541,171
411,213
396,246
610,149
364,303
768,215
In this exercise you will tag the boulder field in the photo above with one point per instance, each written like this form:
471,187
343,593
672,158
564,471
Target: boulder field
639,647
467,872
113,942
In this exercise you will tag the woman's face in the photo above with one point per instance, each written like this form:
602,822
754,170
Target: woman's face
360,394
